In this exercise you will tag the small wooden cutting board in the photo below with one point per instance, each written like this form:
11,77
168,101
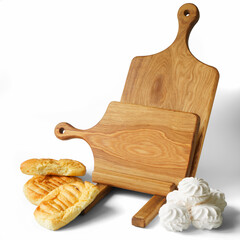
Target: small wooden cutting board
140,148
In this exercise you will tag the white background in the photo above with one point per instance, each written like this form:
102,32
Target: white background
65,61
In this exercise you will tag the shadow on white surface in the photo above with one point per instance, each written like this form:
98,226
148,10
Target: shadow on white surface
231,220
219,163
98,213
154,223
103,211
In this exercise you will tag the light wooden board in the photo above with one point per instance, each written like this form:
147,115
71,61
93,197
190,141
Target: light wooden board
175,79
149,211
139,148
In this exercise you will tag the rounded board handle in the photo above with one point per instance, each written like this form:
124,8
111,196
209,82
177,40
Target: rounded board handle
65,131
188,16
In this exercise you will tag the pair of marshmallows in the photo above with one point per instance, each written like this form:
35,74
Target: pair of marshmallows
194,202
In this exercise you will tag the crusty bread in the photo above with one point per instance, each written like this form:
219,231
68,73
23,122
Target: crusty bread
62,167
38,187
64,203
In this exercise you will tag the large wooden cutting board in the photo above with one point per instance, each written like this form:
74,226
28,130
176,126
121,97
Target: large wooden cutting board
175,79
140,148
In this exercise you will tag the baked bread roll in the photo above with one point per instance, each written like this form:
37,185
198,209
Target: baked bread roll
38,187
62,167
64,203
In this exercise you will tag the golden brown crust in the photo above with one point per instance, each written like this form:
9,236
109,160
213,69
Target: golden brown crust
38,187
62,167
64,203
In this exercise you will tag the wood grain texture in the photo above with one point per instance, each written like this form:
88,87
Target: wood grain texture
149,211
173,79
132,182
137,141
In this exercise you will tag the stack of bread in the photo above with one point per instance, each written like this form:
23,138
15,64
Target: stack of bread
194,202
59,194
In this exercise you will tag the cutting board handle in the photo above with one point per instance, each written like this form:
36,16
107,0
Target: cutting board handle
188,16
65,131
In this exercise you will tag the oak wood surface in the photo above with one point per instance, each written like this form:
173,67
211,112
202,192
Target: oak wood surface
149,211
132,182
173,79
139,142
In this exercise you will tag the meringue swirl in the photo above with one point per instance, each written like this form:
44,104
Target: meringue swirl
195,202
176,197
206,216
217,198
180,199
174,218
194,187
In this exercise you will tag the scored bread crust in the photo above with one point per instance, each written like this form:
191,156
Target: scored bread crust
36,188
45,166
65,203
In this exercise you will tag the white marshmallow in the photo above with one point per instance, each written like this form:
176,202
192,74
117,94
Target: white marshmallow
194,187
174,218
178,198
206,216
217,198
193,201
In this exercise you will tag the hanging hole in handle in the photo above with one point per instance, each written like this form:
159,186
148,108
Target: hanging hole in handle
186,13
61,130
